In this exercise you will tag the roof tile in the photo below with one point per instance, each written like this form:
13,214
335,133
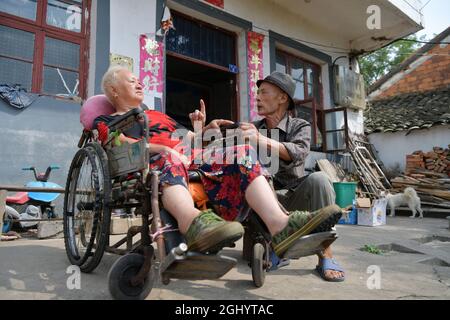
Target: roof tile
413,111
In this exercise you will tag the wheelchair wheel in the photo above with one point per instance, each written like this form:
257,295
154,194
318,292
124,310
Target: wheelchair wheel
120,275
258,269
87,215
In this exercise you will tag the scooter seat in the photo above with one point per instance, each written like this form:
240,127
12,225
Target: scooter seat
18,198
311,244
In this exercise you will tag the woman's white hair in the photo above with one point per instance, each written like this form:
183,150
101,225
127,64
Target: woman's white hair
110,78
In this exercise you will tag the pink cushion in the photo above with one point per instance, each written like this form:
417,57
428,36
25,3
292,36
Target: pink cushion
94,107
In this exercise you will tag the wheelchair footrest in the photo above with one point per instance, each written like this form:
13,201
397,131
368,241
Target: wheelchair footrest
196,266
310,245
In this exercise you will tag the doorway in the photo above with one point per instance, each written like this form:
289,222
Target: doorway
189,81
200,64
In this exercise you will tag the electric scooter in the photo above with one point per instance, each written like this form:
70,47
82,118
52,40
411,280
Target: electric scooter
31,205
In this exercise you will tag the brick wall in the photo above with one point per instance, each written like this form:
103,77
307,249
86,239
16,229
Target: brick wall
432,74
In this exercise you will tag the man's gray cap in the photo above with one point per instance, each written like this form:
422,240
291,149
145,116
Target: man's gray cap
282,81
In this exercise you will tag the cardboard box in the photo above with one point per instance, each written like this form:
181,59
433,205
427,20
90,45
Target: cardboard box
363,202
375,215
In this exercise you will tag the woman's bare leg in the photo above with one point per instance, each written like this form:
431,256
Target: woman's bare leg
178,201
260,197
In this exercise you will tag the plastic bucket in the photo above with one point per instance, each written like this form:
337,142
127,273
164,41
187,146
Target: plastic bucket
345,193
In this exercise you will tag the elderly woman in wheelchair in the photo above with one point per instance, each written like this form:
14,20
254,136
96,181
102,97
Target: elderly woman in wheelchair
237,192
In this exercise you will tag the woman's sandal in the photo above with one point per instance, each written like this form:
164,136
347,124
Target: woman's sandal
330,264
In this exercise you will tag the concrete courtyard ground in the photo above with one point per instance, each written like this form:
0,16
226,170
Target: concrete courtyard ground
418,267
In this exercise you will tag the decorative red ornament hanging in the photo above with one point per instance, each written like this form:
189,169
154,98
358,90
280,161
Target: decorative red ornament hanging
217,3
255,68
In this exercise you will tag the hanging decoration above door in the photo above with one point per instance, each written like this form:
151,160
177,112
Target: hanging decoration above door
255,68
151,69
217,3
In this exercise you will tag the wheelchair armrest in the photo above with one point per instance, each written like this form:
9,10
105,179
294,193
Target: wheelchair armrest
125,121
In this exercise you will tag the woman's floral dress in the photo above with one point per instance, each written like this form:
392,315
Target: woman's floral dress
226,172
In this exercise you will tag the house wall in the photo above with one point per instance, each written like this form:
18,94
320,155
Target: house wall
128,20
47,132
267,16
393,147
429,72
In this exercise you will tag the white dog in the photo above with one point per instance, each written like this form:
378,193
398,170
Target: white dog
409,197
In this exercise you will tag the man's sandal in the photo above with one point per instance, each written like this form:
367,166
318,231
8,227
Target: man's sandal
329,264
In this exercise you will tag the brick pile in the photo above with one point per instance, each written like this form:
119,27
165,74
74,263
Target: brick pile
437,161
428,173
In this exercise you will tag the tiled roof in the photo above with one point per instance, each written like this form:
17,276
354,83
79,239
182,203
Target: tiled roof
407,112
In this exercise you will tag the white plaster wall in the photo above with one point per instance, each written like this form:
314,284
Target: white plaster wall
269,16
138,16
355,120
130,19
393,147
407,8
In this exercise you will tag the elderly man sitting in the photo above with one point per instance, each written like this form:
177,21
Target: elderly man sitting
295,190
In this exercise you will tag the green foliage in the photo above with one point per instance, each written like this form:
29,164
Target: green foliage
370,248
375,65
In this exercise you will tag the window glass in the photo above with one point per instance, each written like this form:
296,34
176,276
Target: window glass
61,63
16,57
33,59
311,81
65,14
298,75
61,53
335,120
336,140
58,81
280,63
16,43
16,72
195,40
23,8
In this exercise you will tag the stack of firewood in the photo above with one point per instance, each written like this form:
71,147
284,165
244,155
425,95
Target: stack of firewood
428,173
437,161
432,190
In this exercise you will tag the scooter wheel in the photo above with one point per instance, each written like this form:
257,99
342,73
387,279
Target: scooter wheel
120,275
258,270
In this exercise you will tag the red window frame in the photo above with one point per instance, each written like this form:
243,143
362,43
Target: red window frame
41,29
315,103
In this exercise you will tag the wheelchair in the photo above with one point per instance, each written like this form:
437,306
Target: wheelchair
107,177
